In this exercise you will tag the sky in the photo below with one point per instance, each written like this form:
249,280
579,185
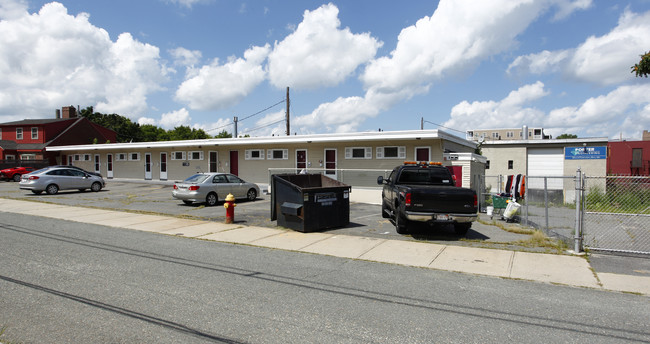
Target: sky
350,66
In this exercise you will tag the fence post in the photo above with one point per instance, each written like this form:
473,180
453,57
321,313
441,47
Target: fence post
579,212
546,201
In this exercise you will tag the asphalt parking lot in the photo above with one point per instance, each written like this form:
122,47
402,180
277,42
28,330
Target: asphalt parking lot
152,197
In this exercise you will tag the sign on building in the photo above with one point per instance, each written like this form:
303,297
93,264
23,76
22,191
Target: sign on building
583,153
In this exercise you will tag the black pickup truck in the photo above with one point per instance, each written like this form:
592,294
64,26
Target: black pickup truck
426,192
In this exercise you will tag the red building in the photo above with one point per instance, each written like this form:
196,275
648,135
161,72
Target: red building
629,158
27,139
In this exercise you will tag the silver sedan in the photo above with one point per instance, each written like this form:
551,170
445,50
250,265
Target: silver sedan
213,187
51,180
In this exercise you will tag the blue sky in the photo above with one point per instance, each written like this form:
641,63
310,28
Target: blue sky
351,66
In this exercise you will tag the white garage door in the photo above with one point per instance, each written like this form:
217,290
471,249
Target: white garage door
545,162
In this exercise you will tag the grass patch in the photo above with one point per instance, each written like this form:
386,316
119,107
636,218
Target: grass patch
540,240
508,227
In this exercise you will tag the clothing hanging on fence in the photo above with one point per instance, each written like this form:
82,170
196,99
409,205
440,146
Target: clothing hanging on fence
515,186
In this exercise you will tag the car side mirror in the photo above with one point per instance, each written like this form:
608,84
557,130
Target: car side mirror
380,180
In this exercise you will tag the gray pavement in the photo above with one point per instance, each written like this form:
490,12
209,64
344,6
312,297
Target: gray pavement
548,268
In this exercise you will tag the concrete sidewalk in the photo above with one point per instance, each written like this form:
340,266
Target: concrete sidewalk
565,270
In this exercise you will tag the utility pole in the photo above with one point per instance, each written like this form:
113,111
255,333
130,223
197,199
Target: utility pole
288,125
235,119
421,123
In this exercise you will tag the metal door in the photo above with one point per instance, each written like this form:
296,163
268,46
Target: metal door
234,162
97,163
109,165
163,166
147,166
330,162
301,160
213,161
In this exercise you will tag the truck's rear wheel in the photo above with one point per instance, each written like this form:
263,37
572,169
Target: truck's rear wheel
462,228
400,224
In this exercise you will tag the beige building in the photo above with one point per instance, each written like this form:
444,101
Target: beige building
558,160
353,158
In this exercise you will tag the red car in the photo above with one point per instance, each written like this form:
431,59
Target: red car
14,173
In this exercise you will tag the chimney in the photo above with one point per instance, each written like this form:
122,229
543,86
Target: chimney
69,112
57,114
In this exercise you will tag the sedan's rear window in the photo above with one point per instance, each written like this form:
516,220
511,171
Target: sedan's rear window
197,178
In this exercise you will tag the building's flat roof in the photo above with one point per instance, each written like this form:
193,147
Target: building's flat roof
316,138
539,142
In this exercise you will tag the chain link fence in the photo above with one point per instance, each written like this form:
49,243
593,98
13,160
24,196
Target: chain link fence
607,213
617,214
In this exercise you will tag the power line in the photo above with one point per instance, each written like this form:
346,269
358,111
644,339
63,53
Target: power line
249,116
442,126
265,125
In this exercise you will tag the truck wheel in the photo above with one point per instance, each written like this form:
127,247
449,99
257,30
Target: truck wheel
400,224
462,228
385,212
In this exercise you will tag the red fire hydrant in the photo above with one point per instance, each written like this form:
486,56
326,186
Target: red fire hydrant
230,208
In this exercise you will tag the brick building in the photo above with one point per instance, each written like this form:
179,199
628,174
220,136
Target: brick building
27,139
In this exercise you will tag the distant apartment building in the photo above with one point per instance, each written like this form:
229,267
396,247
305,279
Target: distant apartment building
523,133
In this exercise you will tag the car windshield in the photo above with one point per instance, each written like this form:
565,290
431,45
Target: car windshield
197,178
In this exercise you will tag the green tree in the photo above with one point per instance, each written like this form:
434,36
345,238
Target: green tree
567,136
150,132
126,129
186,133
643,67
223,135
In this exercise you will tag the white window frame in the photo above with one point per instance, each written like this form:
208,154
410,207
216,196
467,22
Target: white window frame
285,154
349,152
34,133
131,158
249,154
121,156
19,133
401,152
510,134
190,155
86,157
173,155
76,157
10,157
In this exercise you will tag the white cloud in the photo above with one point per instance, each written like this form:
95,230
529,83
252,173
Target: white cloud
188,3
185,57
452,41
12,9
147,121
624,110
216,86
318,53
603,60
565,8
512,111
627,108
50,59
174,119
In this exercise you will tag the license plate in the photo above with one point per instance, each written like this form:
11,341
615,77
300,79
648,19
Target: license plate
442,217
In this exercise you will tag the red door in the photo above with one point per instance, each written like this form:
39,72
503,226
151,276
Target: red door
234,162
330,163
301,160
422,154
